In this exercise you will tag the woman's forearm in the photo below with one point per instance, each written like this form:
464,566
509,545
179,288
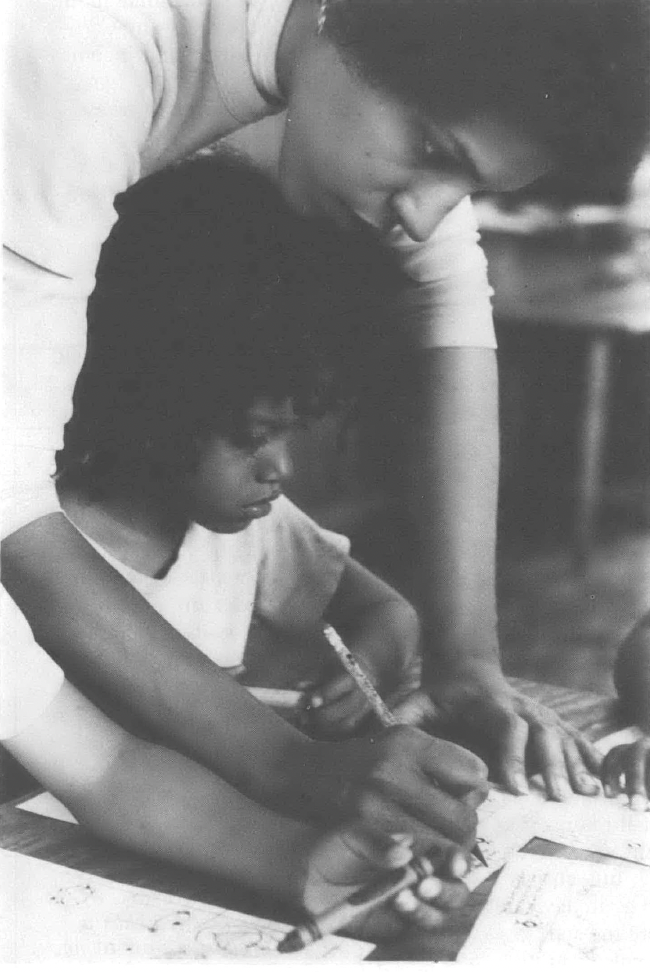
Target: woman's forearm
157,802
453,488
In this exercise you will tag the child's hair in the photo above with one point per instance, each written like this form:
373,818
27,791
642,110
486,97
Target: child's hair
210,294
573,73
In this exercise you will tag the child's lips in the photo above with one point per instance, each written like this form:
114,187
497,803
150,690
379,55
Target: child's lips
260,507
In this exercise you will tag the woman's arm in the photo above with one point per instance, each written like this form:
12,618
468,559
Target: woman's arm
453,488
158,802
101,630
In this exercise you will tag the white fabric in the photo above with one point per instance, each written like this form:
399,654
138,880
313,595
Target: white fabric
284,567
29,679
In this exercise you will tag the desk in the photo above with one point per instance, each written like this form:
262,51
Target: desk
567,282
70,845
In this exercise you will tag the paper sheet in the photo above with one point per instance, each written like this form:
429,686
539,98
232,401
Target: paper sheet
552,910
505,824
53,912
508,822
46,805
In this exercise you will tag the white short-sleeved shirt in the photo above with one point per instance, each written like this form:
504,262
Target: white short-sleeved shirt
284,568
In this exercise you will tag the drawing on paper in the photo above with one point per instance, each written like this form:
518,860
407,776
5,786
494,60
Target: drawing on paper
49,911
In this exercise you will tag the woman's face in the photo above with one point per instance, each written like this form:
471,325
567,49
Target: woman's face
351,153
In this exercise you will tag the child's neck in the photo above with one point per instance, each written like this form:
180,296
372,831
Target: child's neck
141,534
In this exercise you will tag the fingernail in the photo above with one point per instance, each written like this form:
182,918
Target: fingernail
458,866
564,790
607,790
429,888
638,802
522,784
399,856
316,701
405,901
402,838
588,782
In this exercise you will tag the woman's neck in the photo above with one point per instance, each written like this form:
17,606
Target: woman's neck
141,533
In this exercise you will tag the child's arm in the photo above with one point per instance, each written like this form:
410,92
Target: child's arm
628,767
632,674
382,630
155,801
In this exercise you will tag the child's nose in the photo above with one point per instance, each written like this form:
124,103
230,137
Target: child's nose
274,464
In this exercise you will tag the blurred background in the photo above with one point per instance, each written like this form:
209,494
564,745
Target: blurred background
570,269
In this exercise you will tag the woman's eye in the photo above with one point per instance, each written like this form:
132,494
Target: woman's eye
436,157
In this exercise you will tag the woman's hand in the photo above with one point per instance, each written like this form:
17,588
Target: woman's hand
352,857
512,732
626,769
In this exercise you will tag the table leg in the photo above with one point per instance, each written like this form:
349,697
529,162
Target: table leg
593,425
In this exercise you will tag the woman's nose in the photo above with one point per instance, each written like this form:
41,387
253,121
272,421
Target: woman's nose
423,205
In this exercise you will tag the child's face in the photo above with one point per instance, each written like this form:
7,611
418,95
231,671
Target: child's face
351,153
235,482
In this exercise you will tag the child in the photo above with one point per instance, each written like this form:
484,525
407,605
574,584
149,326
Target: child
632,676
178,448
173,468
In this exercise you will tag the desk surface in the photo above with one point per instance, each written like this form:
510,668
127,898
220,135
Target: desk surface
537,281
70,845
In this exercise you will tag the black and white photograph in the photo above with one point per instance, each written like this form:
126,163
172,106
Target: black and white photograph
325,603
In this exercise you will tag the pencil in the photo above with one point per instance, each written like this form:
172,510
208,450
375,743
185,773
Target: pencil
385,716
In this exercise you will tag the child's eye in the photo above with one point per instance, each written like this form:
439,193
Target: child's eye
252,441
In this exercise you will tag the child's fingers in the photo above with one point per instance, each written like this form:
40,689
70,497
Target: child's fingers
613,766
342,716
445,895
638,774
417,912
330,692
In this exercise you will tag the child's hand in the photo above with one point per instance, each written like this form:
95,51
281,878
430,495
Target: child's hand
338,706
349,858
627,769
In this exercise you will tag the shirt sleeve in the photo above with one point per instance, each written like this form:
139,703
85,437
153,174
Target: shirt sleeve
29,678
300,567
448,304
78,106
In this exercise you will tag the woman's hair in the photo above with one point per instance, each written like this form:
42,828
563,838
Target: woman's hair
211,293
573,73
